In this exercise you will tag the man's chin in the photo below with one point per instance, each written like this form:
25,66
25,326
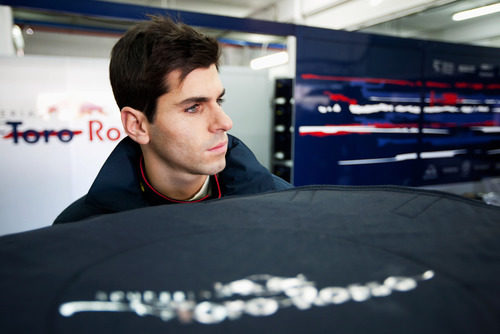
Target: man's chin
215,168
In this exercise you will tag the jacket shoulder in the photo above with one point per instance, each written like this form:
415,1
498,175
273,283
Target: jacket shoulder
280,184
244,174
78,210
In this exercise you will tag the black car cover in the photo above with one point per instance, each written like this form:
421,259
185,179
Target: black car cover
318,259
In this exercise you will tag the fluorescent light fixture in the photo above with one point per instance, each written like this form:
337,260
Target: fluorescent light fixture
480,11
271,60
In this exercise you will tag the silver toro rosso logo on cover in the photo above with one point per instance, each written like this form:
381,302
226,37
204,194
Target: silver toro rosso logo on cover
256,295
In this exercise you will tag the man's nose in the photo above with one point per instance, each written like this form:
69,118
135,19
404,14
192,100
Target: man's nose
220,120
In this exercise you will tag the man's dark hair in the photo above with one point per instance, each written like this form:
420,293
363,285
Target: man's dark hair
148,52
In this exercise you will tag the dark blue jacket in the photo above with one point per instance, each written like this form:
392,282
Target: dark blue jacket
117,186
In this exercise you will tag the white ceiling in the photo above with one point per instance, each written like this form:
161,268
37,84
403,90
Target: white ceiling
426,19
436,24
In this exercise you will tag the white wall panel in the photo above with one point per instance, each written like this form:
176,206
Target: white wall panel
248,103
6,21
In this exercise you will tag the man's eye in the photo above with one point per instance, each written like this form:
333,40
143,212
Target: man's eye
193,108
220,101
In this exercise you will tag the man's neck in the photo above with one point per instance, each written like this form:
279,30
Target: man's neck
172,184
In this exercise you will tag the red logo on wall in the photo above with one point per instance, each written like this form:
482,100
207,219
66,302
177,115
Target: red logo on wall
97,132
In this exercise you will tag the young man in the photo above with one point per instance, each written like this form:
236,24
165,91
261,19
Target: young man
166,83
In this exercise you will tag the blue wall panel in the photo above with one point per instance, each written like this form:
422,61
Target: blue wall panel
381,110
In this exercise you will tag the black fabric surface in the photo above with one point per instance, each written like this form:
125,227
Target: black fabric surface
443,252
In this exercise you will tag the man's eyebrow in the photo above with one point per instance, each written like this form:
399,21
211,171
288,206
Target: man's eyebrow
199,99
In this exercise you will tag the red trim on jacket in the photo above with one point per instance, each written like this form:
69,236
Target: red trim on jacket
141,164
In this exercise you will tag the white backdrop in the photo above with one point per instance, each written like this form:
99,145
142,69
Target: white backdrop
59,122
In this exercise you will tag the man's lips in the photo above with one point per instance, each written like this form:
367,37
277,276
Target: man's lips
218,147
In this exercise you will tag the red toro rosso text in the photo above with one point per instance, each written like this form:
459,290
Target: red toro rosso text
96,132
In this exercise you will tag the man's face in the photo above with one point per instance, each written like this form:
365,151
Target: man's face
188,134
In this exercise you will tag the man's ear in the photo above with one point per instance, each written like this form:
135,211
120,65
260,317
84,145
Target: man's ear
135,125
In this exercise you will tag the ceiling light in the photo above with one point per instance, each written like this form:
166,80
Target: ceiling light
17,38
480,11
271,60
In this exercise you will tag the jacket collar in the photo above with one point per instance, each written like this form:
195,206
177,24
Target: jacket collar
117,186
243,173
